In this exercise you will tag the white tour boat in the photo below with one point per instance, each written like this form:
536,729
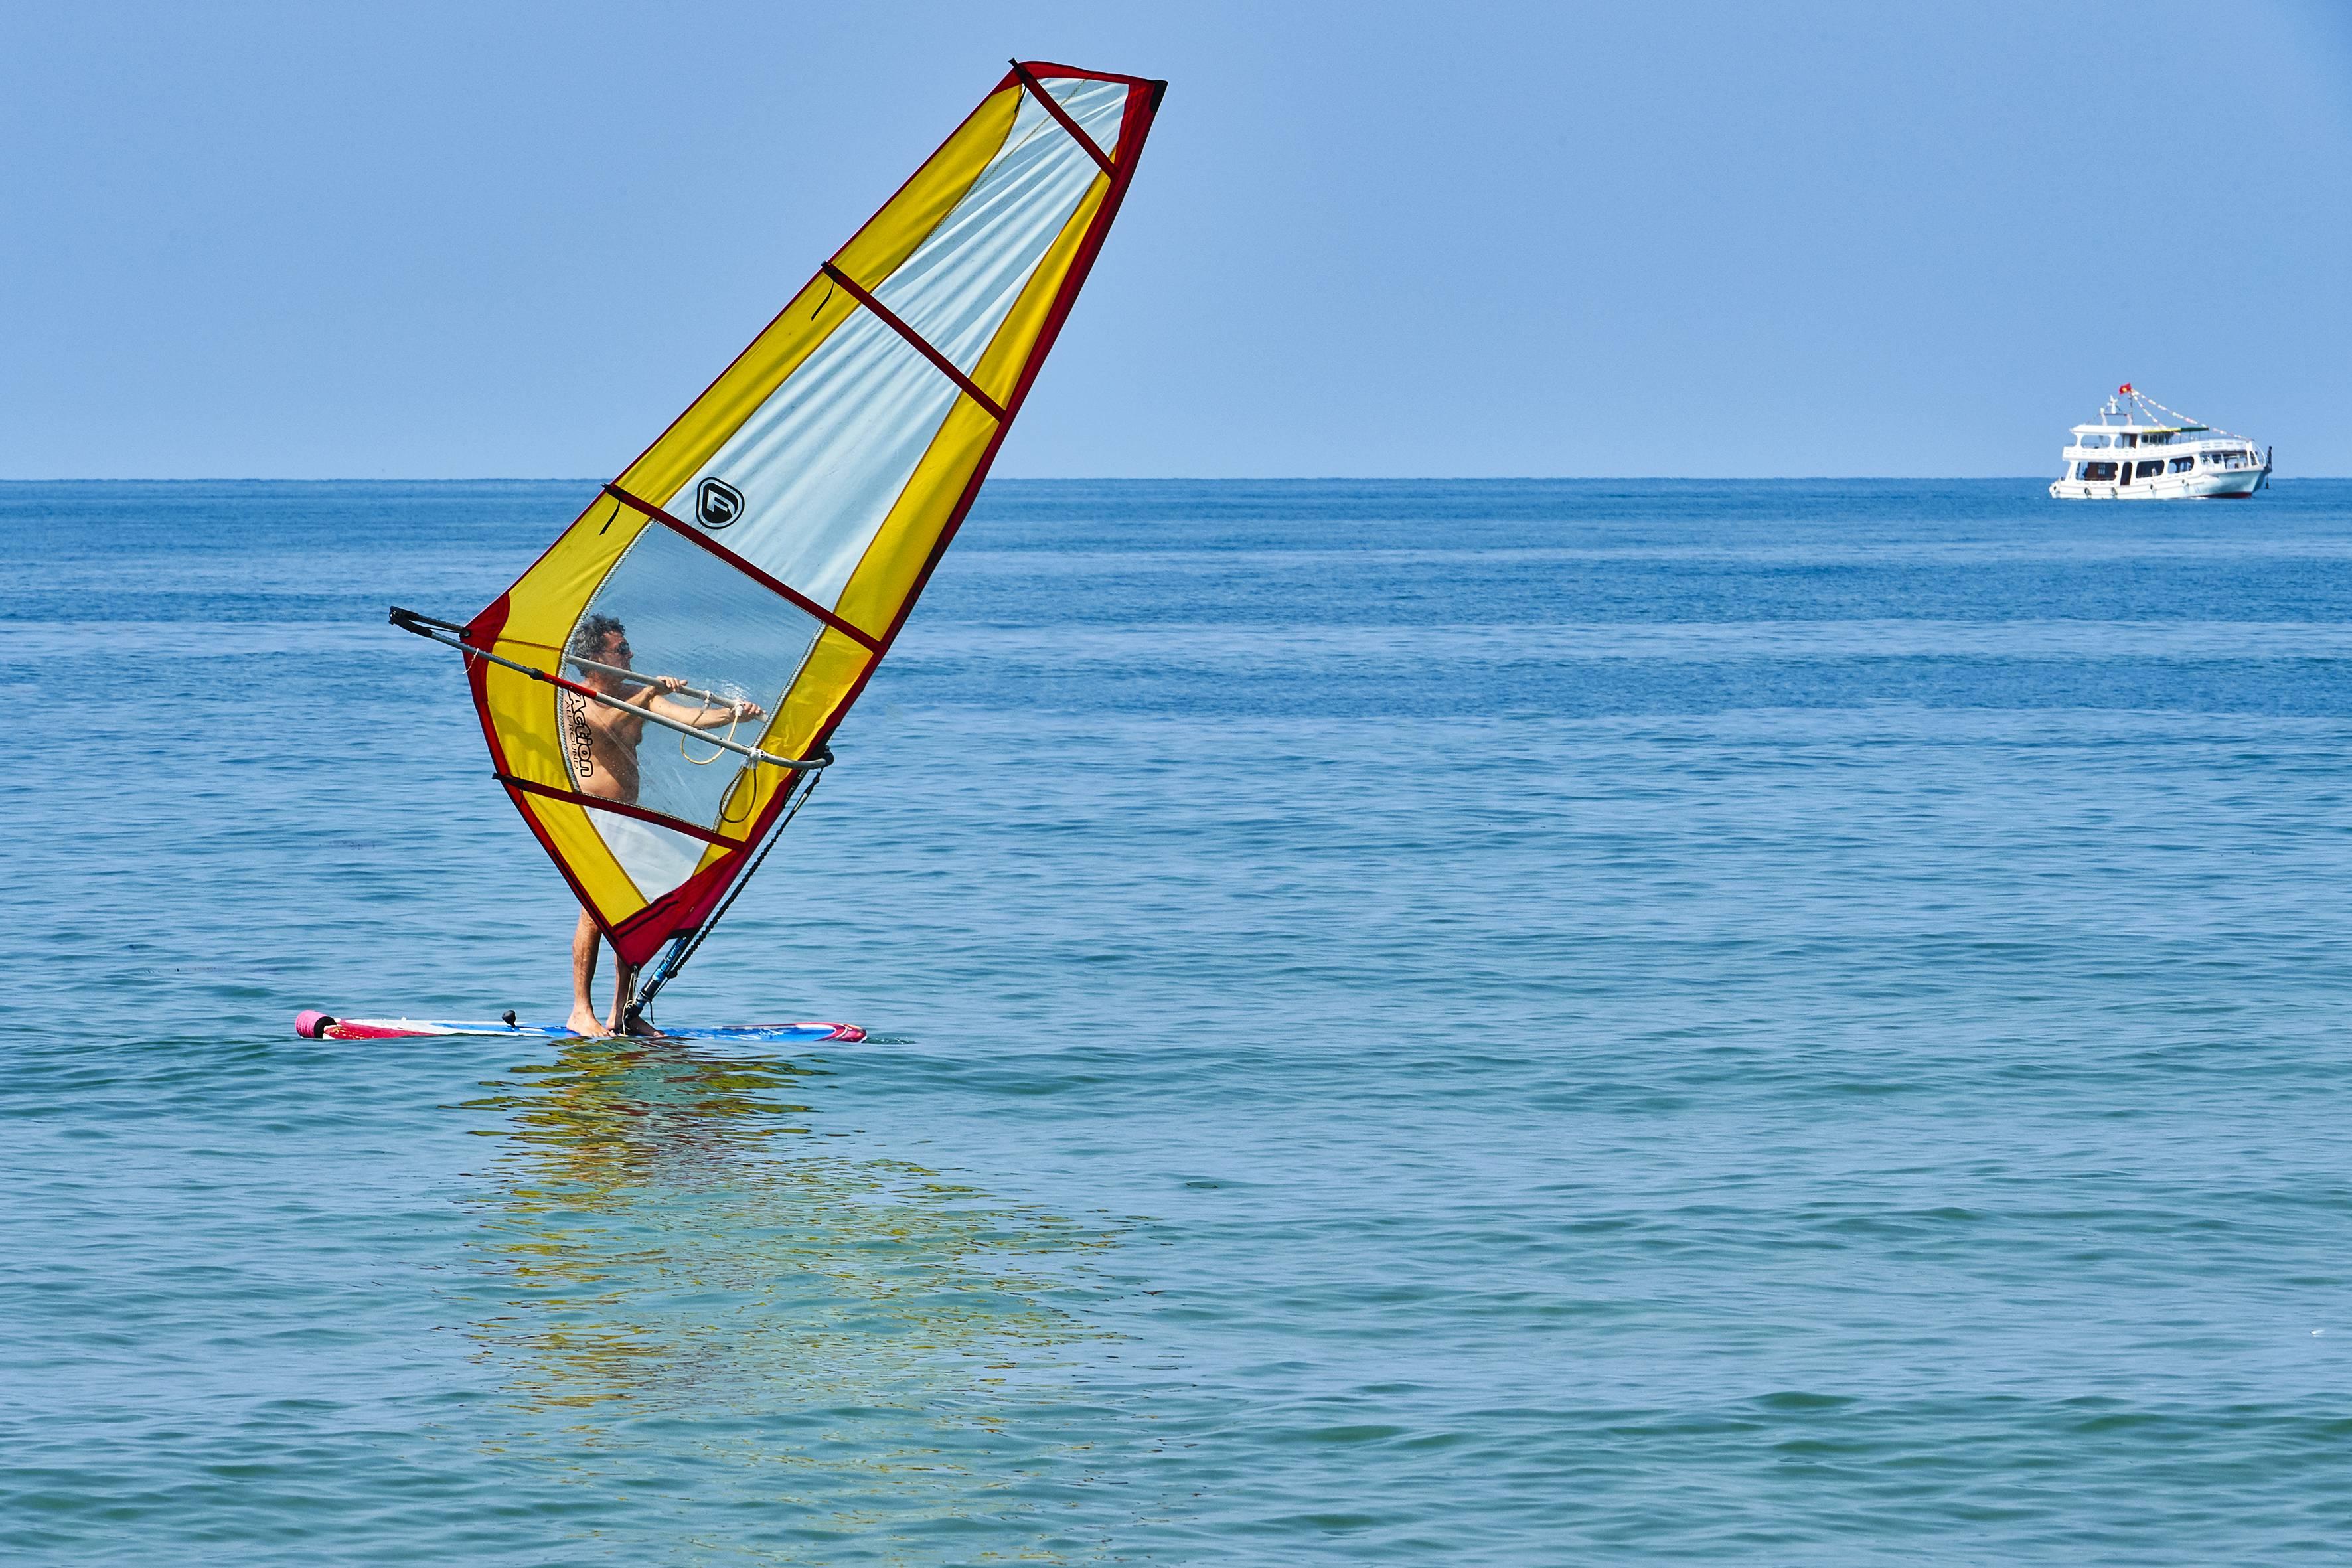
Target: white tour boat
2147,452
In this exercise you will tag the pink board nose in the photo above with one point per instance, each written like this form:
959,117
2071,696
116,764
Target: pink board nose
311,1026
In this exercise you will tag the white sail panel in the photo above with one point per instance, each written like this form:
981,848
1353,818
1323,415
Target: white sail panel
961,281
820,464
656,859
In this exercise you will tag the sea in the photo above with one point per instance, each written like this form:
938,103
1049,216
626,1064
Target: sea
1410,1021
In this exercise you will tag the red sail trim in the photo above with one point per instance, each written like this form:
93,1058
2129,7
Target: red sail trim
1043,69
1037,91
947,367
800,600
676,912
620,807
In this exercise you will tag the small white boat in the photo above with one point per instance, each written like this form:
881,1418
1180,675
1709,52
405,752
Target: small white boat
2141,450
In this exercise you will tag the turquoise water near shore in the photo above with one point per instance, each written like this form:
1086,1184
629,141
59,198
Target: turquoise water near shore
1489,1022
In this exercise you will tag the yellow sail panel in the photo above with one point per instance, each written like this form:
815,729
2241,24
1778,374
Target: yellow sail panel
531,625
539,612
735,587
888,238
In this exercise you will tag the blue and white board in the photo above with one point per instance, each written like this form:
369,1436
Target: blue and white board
315,1025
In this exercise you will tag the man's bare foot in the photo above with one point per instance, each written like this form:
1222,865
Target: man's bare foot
585,1024
636,1026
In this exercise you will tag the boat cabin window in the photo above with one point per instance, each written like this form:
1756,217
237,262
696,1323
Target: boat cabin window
2127,440
2096,471
2153,465
2092,443
2182,465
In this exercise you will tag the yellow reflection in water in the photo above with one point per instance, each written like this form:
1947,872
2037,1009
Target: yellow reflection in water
682,1271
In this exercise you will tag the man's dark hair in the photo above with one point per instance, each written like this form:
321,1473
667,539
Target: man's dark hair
588,640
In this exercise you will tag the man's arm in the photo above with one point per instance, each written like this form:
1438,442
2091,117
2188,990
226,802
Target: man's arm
695,712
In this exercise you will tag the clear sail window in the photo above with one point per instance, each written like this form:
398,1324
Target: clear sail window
671,609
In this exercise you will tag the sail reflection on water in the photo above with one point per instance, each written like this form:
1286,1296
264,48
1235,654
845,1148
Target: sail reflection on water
671,1266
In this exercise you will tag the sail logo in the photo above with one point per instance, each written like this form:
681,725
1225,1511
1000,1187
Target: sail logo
718,503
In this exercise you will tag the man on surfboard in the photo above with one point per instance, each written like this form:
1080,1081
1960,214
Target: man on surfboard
601,743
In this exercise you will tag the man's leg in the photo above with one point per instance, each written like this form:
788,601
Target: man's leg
625,991
584,938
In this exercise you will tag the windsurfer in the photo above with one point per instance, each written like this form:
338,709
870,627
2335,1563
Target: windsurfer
603,743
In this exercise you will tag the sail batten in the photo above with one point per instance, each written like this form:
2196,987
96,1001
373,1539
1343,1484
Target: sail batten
769,545
916,341
784,589
1062,115
619,808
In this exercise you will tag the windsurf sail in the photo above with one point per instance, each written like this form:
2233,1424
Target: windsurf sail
766,550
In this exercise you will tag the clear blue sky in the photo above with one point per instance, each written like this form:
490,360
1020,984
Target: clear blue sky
424,240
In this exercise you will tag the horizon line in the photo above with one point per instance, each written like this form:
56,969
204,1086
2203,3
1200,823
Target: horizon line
1092,478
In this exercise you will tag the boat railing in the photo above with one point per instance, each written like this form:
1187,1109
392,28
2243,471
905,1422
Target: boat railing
2200,438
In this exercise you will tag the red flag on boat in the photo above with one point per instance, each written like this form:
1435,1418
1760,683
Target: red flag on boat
2125,390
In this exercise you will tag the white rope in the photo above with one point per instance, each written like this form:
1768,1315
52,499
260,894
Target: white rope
734,705
2174,414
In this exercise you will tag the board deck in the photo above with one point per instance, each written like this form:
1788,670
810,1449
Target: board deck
313,1025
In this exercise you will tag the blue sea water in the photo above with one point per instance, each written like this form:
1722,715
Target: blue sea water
1486,1023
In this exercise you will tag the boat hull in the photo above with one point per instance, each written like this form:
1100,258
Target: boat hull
2227,484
